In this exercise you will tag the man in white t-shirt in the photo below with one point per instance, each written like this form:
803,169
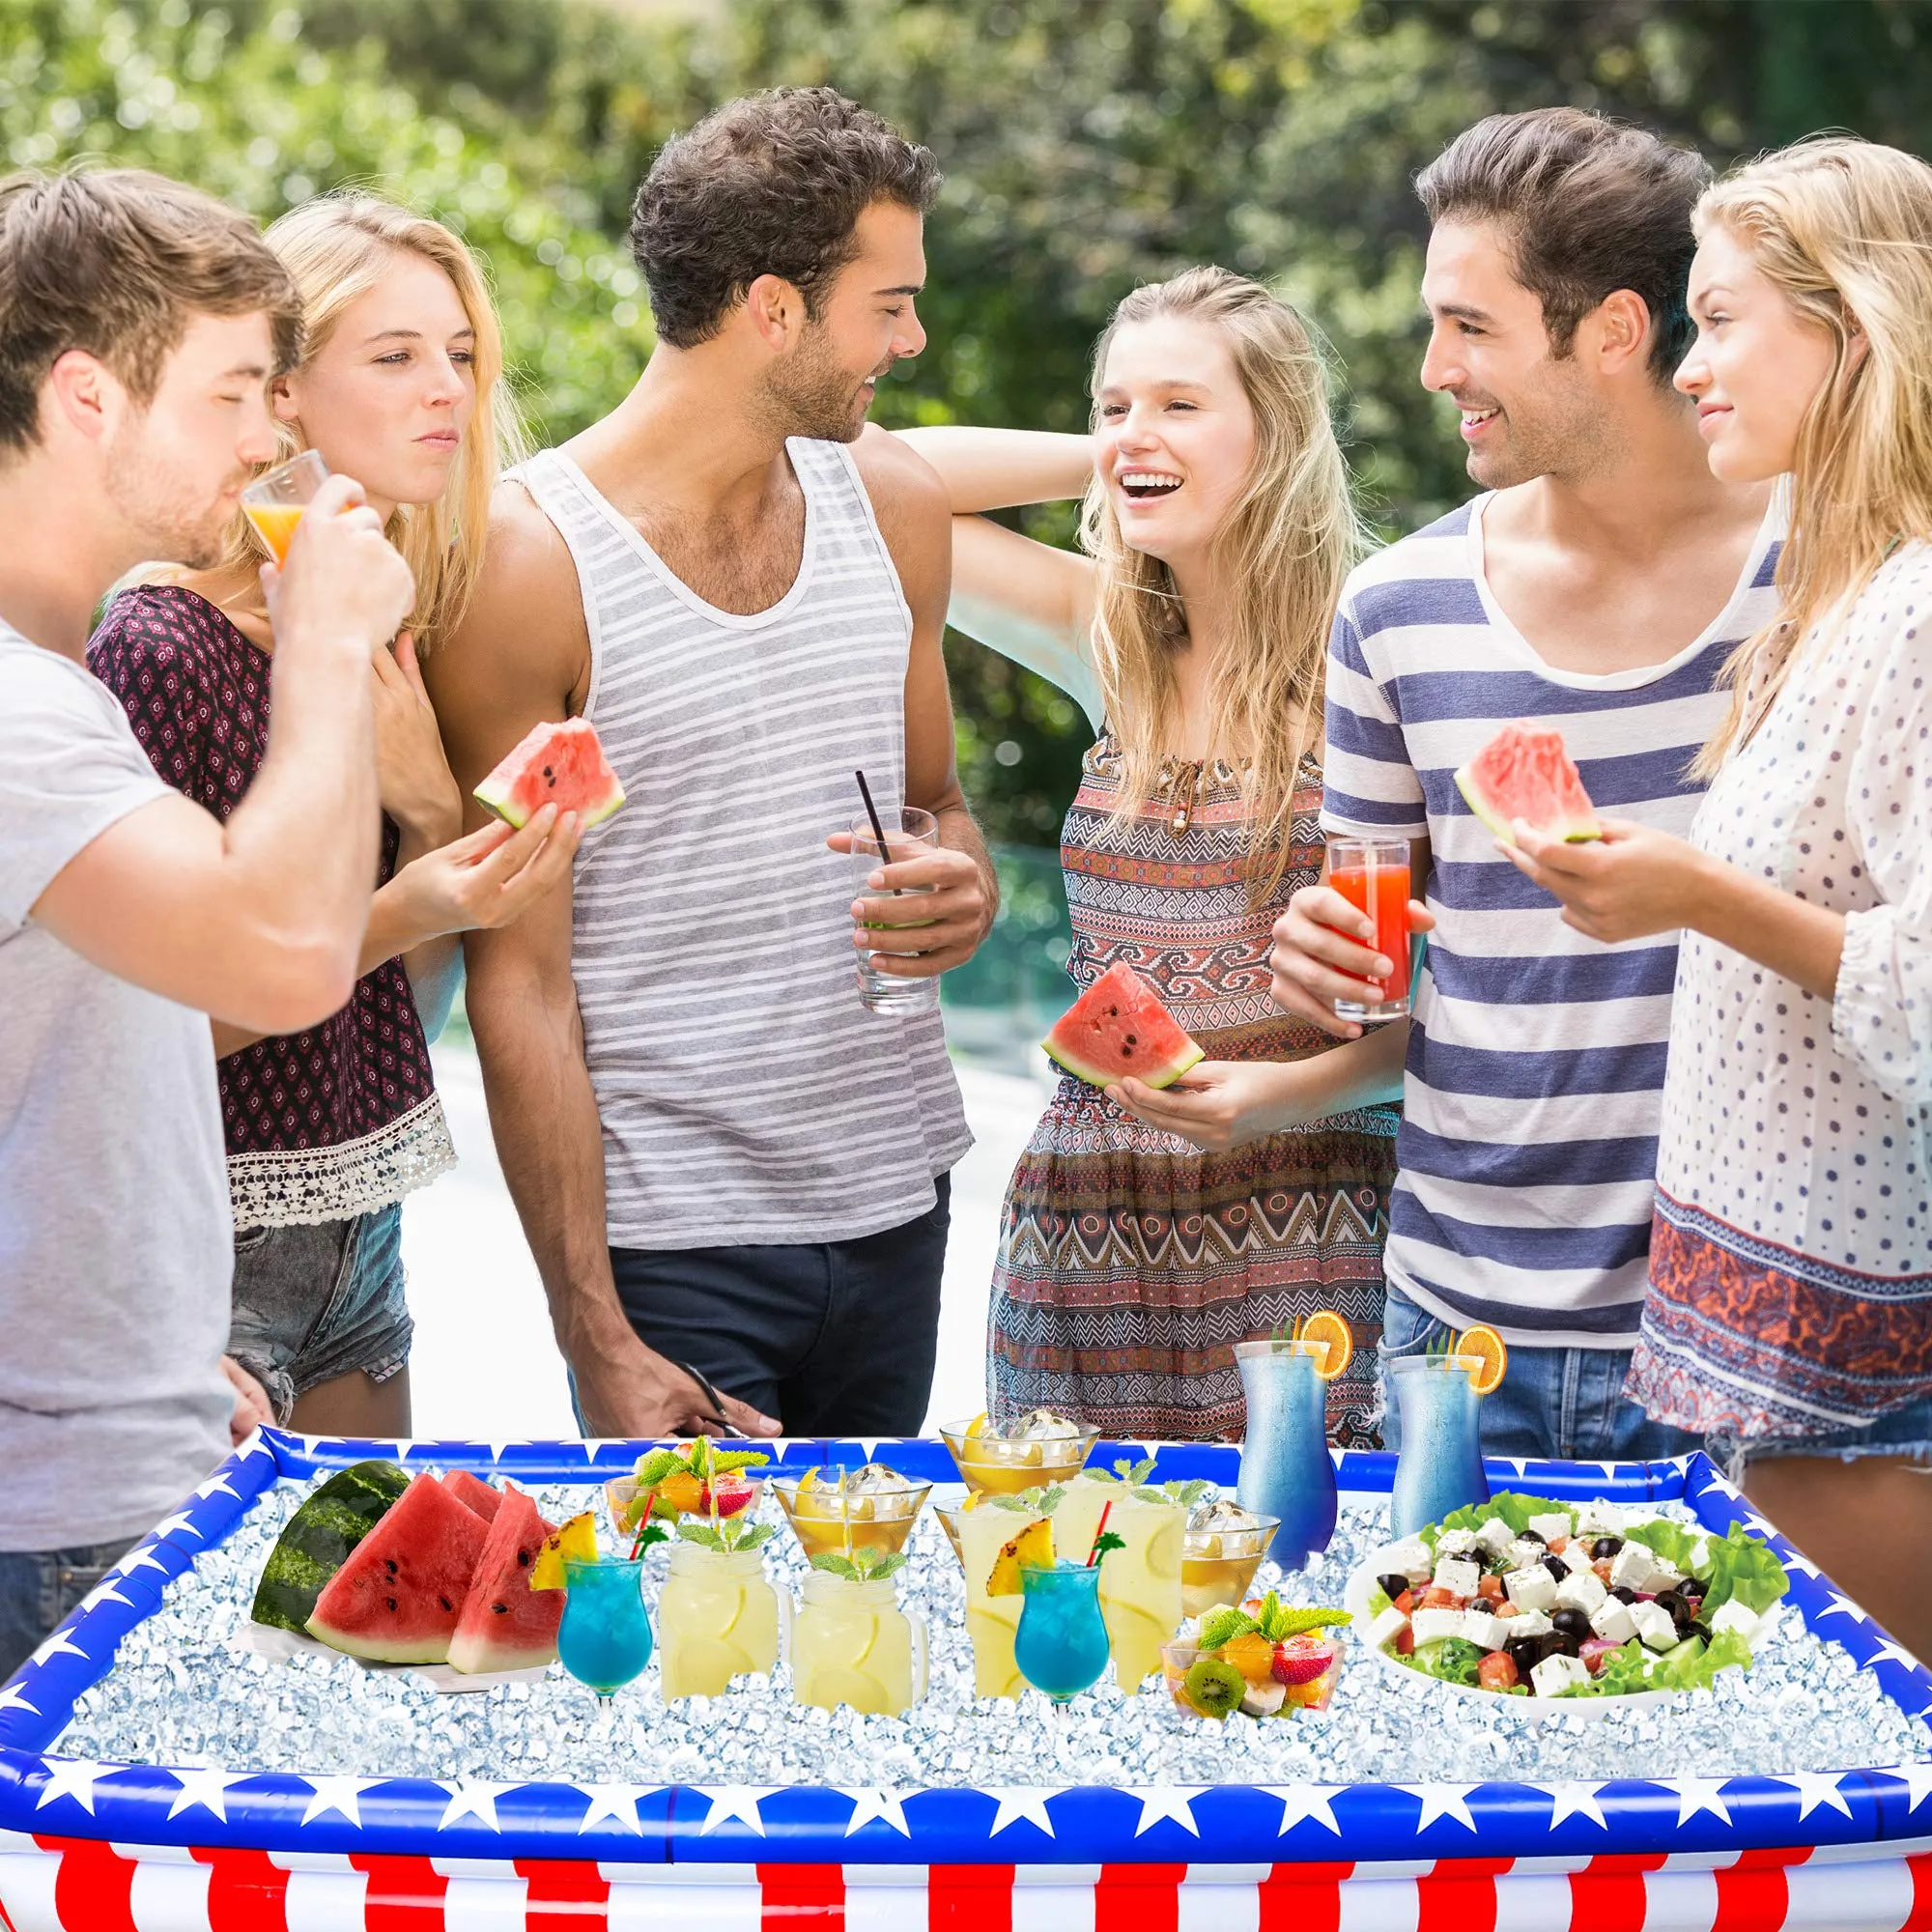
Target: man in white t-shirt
140,323
1597,588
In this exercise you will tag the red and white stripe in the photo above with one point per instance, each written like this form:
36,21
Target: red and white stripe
80,1885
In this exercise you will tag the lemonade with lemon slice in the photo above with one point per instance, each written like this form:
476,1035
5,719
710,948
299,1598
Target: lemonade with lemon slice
994,1544
1140,1583
852,1644
718,1618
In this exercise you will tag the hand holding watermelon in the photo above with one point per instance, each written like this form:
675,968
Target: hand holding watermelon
1220,1104
1629,883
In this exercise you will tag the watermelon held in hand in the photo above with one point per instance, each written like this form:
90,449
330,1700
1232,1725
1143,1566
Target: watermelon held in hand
397,1598
555,764
473,1492
505,1625
1116,1027
1525,772
317,1540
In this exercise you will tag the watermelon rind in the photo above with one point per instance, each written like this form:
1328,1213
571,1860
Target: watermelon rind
498,793
317,1540
1122,979
1576,829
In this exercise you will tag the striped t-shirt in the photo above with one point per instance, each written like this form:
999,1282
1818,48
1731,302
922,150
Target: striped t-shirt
1531,1094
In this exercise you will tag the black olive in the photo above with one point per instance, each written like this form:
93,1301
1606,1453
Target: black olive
1684,1613
1526,1653
1392,1586
1557,1568
1669,1600
1624,1594
1691,1587
1605,1546
1570,1646
1533,1535
1699,1628
1570,1623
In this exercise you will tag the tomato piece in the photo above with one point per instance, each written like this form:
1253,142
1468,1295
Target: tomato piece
1436,1597
1559,1545
1405,1603
1490,1588
1505,1608
1405,1642
1497,1671
1601,1566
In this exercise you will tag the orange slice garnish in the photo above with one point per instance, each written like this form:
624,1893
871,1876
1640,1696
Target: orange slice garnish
1325,1330
1481,1351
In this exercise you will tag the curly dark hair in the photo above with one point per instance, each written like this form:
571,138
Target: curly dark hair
772,184
1590,206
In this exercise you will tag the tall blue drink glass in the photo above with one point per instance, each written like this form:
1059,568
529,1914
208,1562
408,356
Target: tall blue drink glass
1441,1466
1286,1471
1061,1646
605,1639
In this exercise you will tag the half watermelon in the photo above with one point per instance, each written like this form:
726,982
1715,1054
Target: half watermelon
504,1624
555,764
1525,772
1116,1027
397,1598
317,1540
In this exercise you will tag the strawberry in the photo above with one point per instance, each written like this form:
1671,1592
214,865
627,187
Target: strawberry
1297,1660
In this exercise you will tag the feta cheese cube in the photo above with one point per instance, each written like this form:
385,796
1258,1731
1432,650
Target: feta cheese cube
1664,1574
1575,1555
1532,1588
1631,1567
1386,1627
1654,1625
1429,1625
1700,1555
1527,1623
1458,1575
1551,1528
1525,1554
1583,1591
1612,1619
1733,1616
1486,1629
1596,1520
1455,1542
1557,1674
1411,1558
1495,1536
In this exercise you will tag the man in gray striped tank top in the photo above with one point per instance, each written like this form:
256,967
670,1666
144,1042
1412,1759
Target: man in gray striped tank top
734,1176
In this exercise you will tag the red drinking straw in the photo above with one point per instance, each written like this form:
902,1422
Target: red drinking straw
1099,1530
650,1497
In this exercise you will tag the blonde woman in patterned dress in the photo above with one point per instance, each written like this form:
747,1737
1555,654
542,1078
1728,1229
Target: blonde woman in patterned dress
1145,1234
1789,1313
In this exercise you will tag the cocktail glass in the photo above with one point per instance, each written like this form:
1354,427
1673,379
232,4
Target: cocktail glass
718,1618
1061,1644
1140,1583
852,1644
910,833
1218,1565
604,1639
1373,875
274,503
1439,1467
819,1514
1002,1468
1286,1471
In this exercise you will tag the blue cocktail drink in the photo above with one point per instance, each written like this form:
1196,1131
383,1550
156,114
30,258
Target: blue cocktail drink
1286,1471
605,1641
1061,1646
1441,1465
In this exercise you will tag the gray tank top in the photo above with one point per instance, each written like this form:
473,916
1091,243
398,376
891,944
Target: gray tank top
746,1097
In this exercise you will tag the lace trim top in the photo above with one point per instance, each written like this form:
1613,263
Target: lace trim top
340,1119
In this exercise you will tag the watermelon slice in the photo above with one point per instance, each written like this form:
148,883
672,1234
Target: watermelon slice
505,1625
397,1598
555,764
1116,1027
477,1496
1525,772
318,1538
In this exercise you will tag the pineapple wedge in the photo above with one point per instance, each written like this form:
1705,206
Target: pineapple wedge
576,1543
1031,1549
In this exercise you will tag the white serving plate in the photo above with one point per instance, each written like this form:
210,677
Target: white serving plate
1355,1600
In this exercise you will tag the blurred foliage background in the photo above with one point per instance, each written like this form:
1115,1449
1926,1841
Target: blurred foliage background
1089,144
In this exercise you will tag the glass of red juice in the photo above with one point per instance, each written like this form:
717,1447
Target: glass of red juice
1373,875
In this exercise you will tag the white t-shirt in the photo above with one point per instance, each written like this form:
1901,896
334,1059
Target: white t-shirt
115,1237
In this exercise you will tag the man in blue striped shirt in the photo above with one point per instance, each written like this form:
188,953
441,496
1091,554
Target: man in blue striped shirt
1596,586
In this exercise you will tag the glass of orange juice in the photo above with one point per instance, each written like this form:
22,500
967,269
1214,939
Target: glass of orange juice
274,503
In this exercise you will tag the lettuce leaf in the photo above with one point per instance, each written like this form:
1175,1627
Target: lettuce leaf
1745,1569
1378,1601
1513,1509
1453,1658
1690,1667
1672,1540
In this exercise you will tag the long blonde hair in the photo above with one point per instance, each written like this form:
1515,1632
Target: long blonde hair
337,247
1283,549
1842,228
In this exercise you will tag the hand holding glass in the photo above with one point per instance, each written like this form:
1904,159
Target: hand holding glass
1373,875
274,503
910,833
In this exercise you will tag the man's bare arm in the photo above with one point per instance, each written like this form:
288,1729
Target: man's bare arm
519,658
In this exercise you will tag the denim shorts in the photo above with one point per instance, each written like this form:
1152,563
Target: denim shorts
39,1590
1560,1405
1905,1432
318,1301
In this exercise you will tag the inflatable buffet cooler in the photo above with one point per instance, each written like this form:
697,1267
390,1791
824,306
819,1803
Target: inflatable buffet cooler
157,1774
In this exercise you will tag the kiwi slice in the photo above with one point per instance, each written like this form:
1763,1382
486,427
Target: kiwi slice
1213,1688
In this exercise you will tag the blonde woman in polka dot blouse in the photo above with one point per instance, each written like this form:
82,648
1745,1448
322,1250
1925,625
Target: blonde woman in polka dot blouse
1789,1314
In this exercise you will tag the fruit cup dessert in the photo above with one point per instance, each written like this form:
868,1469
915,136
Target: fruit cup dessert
1224,1548
1034,1449
870,1508
700,1479
1265,1660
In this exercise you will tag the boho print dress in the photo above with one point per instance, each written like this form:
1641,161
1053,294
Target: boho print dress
1791,1260
1130,1262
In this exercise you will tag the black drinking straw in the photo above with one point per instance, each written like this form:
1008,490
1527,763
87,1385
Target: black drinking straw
878,830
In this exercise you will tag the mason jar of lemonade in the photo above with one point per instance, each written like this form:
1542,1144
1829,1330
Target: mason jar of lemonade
717,1619
852,1644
